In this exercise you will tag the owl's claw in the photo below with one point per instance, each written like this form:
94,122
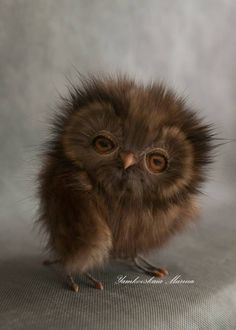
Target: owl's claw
74,286
98,284
151,270
159,273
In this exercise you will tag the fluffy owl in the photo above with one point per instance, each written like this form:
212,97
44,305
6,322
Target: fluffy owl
121,173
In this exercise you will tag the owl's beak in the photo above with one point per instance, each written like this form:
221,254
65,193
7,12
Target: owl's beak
128,159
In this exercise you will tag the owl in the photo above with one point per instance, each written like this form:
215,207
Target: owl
121,174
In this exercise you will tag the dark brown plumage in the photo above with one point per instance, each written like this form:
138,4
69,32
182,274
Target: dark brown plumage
121,173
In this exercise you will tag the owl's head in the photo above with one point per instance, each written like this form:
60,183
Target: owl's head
135,139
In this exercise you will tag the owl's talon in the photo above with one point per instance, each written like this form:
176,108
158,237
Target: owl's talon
151,270
74,286
156,273
98,284
163,271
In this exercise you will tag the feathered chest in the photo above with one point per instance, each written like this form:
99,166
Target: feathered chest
138,220
137,228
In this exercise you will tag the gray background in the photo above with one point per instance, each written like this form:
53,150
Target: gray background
190,45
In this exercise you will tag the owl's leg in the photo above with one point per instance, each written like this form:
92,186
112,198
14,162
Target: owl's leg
151,270
72,283
162,270
148,271
98,284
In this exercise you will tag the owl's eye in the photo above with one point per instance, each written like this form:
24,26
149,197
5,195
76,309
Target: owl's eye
156,161
103,144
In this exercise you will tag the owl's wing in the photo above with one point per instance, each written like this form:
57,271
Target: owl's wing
76,223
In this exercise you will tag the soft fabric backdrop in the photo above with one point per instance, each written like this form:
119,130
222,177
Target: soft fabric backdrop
190,45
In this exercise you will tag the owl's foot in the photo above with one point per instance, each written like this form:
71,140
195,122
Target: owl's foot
98,284
74,286
151,269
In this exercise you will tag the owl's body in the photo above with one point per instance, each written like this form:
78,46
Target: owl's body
121,173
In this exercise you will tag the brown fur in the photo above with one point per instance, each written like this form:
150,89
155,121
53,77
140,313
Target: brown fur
90,207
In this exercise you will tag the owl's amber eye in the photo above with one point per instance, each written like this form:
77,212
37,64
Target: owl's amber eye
156,162
103,144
